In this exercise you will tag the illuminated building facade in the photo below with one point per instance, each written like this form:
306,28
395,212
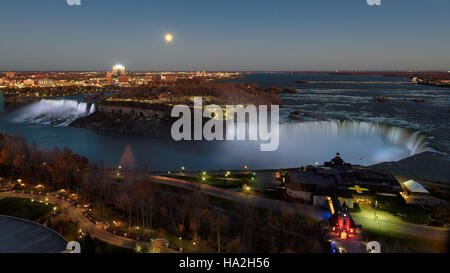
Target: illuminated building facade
342,224
117,76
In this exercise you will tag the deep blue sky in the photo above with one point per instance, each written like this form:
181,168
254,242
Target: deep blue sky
225,35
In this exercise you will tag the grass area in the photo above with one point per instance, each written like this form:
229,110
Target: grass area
223,203
222,181
392,242
409,213
24,208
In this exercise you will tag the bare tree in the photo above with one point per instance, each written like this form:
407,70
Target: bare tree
219,223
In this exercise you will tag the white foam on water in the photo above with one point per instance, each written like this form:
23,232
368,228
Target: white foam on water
53,112
413,141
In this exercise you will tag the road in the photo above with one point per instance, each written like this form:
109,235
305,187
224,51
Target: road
252,199
76,215
387,222
423,231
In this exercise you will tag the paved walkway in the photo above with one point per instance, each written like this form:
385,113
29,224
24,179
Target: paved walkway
422,231
382,224
387,222
254,200
76,215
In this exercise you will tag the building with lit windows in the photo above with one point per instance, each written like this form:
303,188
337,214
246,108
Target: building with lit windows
339,180
118,76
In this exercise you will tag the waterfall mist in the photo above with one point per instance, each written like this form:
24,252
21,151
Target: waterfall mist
53,112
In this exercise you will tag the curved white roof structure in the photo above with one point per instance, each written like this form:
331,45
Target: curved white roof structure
414,187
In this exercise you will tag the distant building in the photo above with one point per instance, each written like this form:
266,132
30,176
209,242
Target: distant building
45,83
108,77
117,76
123,79
201,74
10,75
171,77
28,82
119,70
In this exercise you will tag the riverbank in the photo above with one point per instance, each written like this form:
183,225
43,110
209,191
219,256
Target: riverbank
428,166
124,123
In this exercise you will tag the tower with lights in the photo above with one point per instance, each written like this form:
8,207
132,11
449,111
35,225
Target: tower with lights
118,75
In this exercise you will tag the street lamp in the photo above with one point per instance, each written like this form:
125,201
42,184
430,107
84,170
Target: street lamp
376,205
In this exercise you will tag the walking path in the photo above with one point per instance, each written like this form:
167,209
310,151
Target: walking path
76,215
252,199
382,224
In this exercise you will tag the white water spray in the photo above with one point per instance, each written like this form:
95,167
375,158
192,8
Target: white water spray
54,112
413,141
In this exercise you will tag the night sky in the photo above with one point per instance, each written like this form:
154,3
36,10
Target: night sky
225,35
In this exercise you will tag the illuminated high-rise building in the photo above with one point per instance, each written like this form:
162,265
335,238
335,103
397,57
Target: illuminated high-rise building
118,69
108,77
117,76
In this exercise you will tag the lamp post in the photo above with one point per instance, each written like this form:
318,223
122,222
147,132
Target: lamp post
376,205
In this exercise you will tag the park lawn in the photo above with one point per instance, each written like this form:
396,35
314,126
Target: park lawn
409,213
394,242
223,203
24,208
241,175
223,183
214,180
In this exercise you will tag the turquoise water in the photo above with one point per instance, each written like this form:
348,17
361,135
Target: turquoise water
304,143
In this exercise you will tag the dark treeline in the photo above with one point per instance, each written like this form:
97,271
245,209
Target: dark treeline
52,91
218,92
189,214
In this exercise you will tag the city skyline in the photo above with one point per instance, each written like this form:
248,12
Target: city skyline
252,36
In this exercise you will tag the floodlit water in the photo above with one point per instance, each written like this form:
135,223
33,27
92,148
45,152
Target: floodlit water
53,112
362,139
303,143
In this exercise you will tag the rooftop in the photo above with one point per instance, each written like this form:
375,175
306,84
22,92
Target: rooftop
414,187
22,236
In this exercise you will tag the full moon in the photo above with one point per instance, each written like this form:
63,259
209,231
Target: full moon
168,37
